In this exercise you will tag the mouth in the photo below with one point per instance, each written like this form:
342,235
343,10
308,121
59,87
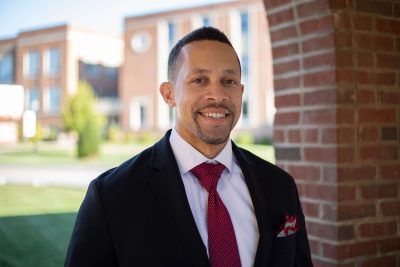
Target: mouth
214,115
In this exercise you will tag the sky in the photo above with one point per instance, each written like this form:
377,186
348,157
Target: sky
98,15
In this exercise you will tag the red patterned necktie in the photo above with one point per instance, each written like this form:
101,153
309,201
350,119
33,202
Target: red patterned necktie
222,245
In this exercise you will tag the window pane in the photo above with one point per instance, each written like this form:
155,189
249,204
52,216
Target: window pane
206,20
244,19
245,60
142,111
32,99
31,64
54,61
92,70
53,100
6,69
171,35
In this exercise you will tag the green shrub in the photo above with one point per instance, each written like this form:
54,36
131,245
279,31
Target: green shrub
113,133
51,134
88,141
79,116
129,137
38,135
264,140
244,138
146,138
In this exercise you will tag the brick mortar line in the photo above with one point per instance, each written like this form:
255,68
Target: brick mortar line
306,87
279,8
353,241
303,72
306,55
298,20
302,38
310,70
355,223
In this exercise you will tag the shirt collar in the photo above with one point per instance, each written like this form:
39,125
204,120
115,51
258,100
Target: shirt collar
188,157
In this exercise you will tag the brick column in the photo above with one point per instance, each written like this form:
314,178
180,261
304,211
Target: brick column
337,125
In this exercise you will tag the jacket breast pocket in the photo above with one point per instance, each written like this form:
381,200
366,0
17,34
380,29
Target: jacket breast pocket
283,251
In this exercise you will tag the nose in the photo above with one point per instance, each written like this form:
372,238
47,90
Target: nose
216,93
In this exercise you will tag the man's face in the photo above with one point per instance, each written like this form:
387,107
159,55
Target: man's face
207,93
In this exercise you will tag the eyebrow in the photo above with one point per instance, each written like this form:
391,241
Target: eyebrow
229,71
202,71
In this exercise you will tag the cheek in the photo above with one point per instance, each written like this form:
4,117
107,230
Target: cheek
189,102
184,106
237,101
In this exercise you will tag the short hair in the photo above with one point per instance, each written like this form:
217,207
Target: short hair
200,34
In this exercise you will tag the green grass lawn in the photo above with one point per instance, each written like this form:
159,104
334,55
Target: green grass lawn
36,224
111,154
28,200
35,240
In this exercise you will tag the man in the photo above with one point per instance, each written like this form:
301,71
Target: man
170,206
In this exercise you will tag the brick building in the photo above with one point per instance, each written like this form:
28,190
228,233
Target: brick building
149,38
337,125
46,63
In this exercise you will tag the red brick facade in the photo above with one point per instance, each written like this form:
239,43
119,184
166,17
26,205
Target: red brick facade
337,126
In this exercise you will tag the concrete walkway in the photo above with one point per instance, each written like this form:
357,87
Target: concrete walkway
77,176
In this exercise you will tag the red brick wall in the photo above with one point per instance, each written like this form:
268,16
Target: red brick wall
337,125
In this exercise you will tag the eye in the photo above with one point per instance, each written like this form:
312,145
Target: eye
200,81
229,82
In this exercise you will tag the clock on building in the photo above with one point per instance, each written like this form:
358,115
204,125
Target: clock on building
140,42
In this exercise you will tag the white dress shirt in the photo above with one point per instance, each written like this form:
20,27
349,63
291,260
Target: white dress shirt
232,189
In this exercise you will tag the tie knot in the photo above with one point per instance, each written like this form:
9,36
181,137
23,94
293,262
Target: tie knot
208,174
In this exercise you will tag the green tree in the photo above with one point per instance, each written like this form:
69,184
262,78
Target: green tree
79,116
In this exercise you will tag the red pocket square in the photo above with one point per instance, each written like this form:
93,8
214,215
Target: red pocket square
289,227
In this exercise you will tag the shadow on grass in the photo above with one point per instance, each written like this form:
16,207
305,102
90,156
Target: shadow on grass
35,240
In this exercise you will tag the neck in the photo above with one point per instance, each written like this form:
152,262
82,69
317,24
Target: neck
208,150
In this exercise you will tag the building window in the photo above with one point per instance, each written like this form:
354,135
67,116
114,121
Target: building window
142,114
139,117
244,22
171,42
205,19
52,61
244,58
31,64
244,30
32,99
52,100
7,69
92,70
171,35
111,73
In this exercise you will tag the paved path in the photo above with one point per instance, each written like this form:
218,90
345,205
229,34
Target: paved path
46,175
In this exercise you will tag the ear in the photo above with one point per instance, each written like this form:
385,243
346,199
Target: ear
167,93
242,88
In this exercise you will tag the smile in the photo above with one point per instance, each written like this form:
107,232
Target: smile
215,115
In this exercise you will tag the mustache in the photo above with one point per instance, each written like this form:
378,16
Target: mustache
229,108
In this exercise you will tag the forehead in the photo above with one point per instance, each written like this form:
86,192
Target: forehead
209,53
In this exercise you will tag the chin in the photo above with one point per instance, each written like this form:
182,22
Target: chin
213,139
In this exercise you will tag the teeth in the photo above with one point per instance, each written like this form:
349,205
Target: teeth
214,115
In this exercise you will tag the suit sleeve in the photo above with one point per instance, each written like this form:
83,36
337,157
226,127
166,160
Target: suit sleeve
303,254
91,243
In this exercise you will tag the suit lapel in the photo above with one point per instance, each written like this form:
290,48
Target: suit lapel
168,186
257,188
